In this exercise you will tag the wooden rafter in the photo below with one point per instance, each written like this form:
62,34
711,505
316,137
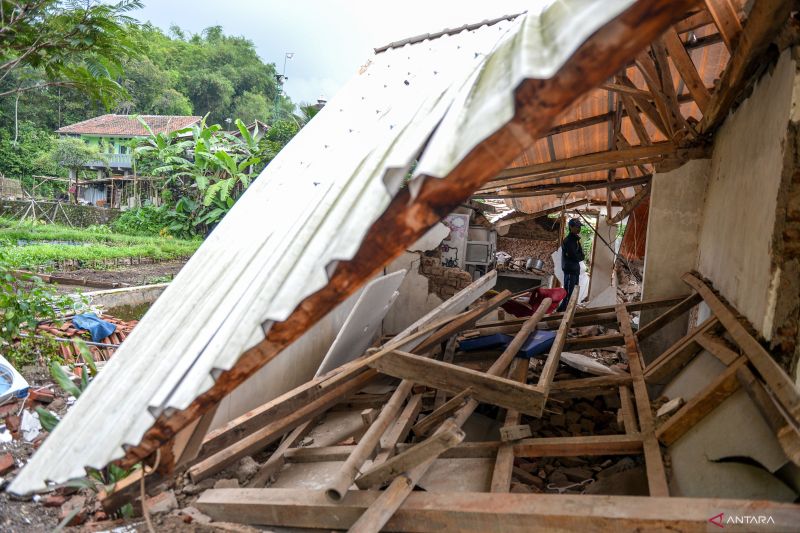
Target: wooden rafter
764,22
727,20
631,204
686,68
564,188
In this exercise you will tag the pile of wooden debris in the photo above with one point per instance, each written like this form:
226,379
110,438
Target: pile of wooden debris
496,441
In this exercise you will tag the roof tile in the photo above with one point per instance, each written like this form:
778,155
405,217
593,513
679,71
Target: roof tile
129,125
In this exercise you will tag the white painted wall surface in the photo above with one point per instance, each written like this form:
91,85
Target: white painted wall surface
739,218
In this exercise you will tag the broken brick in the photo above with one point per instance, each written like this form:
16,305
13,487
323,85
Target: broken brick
41,395
6,463
53,500
73,508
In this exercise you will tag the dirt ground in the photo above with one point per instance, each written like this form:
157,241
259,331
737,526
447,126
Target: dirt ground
141,274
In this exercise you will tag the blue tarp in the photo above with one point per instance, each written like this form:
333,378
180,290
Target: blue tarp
99,329
537,343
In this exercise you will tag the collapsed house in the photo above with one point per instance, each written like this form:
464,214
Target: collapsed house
268,335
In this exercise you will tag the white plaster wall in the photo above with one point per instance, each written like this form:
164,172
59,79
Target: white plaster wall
413,300
676,213
602,257
739,215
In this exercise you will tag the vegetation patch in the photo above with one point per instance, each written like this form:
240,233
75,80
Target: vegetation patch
49,246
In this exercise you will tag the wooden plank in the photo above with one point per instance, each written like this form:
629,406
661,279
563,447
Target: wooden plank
450,435
597,341
626,90
400,430
485,388
439,415
726,18
776,379
788,436
629,205
466,450
668,87
465,321
686,68
654,463
666,365
578,446
605,156
648,70
504,462
588,387
717,347
628,411
272,466
261,438
341,482
701,405
692,22
521,191
485,512
636,120
447,357
763,23
667,317
554,357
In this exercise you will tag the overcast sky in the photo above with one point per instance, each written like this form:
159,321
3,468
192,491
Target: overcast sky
330,39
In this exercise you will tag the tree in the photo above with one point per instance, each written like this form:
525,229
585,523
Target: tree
210,93
46,43
251,106
73,154
171,102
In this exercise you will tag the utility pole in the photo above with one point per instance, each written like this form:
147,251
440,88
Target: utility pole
281,78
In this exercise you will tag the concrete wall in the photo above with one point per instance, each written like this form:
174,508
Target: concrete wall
676,214
736,236
603,257
78,215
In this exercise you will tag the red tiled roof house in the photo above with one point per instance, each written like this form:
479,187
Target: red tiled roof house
111,134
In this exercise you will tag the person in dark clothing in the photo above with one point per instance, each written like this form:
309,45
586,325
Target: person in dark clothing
571,257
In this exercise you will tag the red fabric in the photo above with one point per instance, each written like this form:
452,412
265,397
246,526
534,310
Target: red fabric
540,294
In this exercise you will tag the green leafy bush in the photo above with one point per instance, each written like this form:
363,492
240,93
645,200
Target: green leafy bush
145,220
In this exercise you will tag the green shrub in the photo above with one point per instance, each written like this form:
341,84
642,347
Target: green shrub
146,220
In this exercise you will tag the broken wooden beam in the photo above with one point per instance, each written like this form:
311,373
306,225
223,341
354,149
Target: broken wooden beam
554,357
447,437
452,378
485,512
504,462
666,365
776,379
654,462
701,405
668,316
439,415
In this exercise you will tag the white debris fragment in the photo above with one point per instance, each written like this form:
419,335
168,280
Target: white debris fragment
30,425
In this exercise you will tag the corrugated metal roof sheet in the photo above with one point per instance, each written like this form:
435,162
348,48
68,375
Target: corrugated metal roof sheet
435,100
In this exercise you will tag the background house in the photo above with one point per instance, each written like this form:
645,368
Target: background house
112,135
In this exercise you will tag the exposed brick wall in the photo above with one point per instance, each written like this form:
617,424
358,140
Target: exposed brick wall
539,229
522,248
444,282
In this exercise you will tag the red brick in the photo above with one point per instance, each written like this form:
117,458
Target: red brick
9,409
43,396
12,423
6,463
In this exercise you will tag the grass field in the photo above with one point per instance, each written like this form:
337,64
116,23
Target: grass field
49,246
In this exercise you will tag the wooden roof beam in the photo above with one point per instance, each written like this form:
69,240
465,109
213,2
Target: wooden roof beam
762,25
727,20
686,68
565,188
